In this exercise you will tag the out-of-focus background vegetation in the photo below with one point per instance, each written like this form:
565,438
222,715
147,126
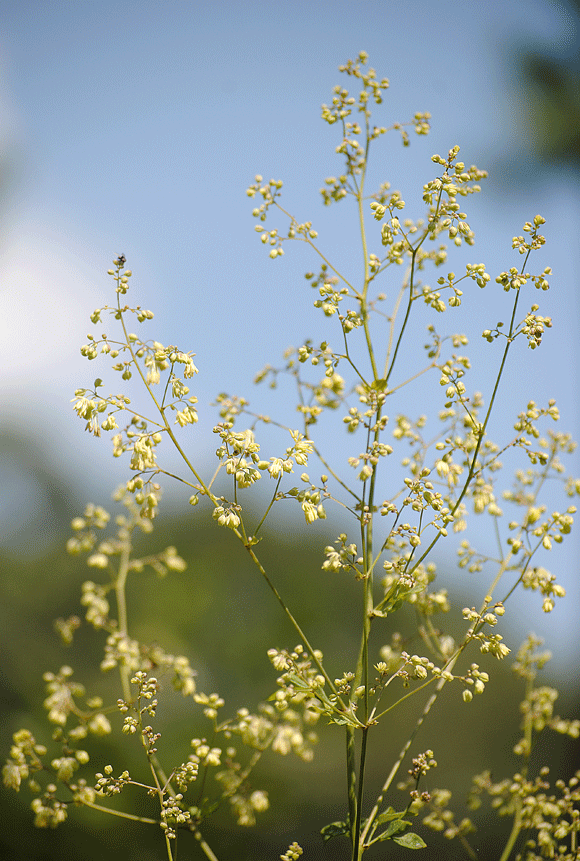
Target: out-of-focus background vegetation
135,128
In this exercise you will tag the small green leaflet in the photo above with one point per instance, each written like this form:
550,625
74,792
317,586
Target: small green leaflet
396,824
410,841
388,815
334,829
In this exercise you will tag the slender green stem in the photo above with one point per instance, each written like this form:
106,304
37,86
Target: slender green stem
359,843
121,598
120,813
393,772
517,823
418,374
206,849
389,370
390,363
391,319
362,668
120,584
363,298
514,833
160,772
336,477
296,626
317,250
269,507
351,783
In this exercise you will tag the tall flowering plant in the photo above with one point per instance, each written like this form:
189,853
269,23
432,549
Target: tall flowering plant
409,485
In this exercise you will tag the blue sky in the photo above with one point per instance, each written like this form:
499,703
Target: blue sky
136,128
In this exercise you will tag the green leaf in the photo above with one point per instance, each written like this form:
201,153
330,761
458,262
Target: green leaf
334,829
388,815
393,828
98,382
410,841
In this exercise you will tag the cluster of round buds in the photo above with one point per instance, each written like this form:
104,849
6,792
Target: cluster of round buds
48,811
108,785
212,703
185,774
394,201
368,78
293,853
309,500
541,281
346,558
539,579
536,239
461,182
335,189
341,106
475,682
226,516
477,272
534,325
272,238
269,192
422,764
305,230
330,298
421,123
122,280
512,280
173,814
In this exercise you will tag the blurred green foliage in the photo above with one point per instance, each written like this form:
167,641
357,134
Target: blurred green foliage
550,96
